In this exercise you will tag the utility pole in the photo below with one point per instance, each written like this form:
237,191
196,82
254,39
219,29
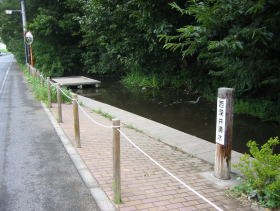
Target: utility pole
24,27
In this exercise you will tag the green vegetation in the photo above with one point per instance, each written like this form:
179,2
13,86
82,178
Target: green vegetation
233,43
158,80
197,45
41,90
264,109
139,79
104,114
261,181
235,40
134,128
4,51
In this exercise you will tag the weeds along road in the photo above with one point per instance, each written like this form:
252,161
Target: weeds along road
35,171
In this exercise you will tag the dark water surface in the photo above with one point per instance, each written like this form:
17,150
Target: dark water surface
171,107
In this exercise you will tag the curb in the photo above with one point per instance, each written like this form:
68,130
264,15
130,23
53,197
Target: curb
102,201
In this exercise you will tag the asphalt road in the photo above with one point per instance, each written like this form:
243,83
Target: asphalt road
35,171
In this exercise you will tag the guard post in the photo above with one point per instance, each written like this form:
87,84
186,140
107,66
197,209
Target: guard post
59,112
76,121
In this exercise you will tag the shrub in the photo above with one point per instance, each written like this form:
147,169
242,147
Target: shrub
261,180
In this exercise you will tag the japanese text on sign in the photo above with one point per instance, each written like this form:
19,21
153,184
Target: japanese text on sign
221,121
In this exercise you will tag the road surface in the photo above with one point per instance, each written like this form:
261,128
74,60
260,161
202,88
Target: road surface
35,171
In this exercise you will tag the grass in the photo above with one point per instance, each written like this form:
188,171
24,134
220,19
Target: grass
134,128
4,51
262,109
110,117
157,80
136,78
40,89
104,114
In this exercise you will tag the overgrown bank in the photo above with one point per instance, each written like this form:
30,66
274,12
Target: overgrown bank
40,89
262,108
208,44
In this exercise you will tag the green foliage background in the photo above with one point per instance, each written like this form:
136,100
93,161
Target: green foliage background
198,45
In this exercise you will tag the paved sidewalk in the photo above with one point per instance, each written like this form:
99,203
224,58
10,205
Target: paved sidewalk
144,185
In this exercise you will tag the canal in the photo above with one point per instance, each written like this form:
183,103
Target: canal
172,108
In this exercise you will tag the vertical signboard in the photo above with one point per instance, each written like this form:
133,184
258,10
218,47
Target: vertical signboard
221,121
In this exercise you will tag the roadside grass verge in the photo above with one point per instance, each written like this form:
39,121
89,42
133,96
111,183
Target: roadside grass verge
40,89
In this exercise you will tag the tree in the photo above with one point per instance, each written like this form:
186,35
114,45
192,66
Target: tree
57,35
121,36
236,40
11,28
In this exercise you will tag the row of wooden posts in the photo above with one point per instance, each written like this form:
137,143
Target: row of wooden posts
222,165
116,137
115,126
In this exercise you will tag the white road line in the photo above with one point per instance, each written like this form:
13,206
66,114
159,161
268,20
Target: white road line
5,78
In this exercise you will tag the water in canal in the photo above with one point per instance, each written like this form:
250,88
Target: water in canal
172,108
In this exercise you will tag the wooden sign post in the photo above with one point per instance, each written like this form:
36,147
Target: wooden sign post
224,127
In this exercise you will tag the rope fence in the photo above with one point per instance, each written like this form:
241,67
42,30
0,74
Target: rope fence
92,120
117,132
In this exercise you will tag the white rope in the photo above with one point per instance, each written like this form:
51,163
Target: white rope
53,84
95,122
70,98
148,156
169,173
82,109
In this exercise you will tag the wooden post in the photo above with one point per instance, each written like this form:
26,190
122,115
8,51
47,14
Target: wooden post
76,121
116,162
59,113
49,93
224,133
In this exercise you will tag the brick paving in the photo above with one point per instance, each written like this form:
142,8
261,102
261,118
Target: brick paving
145,186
